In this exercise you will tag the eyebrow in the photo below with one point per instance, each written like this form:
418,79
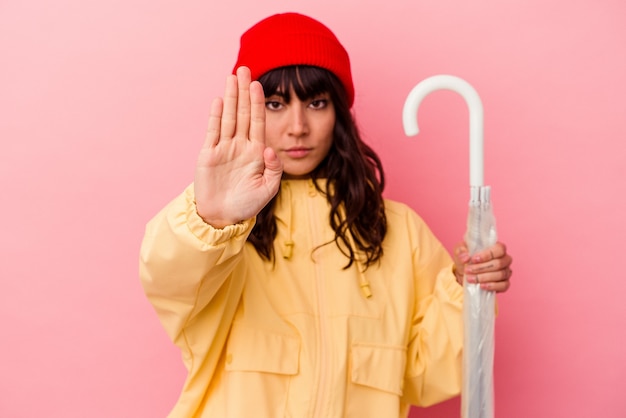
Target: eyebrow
279,93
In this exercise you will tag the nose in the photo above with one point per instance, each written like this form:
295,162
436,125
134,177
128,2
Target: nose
298,123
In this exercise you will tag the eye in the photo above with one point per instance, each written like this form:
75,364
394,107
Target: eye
273,105
319,103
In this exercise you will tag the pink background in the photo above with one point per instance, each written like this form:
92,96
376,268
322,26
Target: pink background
103,107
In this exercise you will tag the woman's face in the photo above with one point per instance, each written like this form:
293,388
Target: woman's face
300,132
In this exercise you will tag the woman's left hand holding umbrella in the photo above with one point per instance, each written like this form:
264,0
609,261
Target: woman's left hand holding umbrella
490,267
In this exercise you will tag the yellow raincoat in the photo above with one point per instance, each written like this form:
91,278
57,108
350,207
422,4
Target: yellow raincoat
299,337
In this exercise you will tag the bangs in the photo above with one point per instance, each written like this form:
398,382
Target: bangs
307,82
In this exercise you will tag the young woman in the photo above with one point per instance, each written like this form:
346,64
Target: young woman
292,288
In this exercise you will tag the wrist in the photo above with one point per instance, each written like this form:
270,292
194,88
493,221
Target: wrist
457,275
213,220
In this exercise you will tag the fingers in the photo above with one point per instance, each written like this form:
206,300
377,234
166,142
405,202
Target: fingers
229,112
257,113
490,268
243,102
496,286
240,113
497,250
493,280
215,122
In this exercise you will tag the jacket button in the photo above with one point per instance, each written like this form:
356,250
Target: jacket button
229,358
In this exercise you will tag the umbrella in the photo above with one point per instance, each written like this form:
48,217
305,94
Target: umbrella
478,304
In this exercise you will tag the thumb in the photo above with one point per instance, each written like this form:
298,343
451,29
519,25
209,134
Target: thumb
461,253
273,167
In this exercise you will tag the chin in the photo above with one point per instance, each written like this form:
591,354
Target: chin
296,174
289,176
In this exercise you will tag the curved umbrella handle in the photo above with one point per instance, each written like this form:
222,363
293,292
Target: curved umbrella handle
449,82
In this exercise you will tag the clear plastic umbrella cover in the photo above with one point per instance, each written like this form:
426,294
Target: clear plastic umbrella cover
478,304
478,314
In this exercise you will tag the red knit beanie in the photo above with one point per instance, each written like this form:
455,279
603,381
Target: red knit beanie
294,39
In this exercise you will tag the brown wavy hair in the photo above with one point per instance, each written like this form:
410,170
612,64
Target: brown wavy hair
354,173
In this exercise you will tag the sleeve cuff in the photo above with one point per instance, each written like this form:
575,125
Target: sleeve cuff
207,233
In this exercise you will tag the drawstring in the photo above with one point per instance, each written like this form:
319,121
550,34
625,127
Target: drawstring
288,245
312,189
364,284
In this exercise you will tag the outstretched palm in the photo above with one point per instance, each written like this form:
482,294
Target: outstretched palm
236,174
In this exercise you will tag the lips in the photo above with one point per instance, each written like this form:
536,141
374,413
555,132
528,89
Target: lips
297,152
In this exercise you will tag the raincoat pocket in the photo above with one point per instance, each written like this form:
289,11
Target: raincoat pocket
378,366
376,379
256,350
260,366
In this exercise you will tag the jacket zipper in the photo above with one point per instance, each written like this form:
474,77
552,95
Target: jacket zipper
323,337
